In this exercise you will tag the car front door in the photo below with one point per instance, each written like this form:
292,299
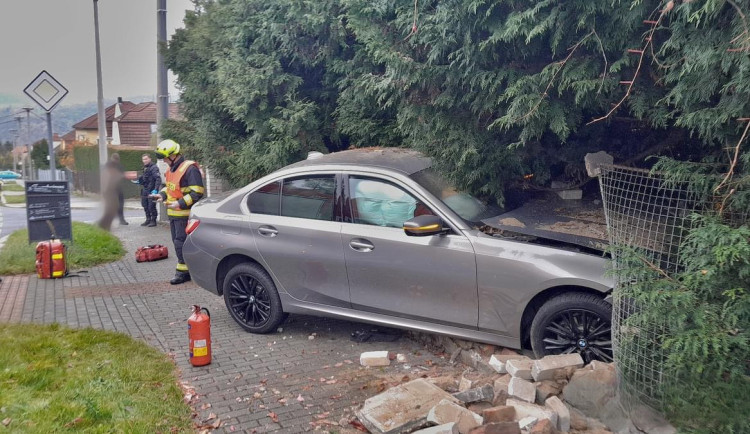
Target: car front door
423,278
296,226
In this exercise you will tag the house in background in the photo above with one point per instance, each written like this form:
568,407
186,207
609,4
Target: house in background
127,124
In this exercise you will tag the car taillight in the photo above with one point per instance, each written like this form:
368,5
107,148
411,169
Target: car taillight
192,225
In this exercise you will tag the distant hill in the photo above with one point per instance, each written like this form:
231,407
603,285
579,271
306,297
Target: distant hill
63,117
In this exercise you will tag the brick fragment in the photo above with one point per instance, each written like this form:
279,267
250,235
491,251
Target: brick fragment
522,389
484,393
446,428
374,358
543,426
497,428
544,368
563,414
526,409
520,368
501,413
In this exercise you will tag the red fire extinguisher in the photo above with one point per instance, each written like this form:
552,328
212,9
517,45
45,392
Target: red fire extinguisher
199,333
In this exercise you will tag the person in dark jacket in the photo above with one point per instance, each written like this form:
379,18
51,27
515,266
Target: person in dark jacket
184,187
150,181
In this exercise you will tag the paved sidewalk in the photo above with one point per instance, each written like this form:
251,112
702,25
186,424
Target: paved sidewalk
307,373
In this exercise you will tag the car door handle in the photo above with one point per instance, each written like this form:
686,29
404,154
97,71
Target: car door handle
267,231
361,245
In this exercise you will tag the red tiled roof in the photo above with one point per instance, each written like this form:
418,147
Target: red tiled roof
69,136
92,122
135,133
146,112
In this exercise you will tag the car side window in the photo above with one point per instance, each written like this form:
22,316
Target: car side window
381,203
265,200
310,197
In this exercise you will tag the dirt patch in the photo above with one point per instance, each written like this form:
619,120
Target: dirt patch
579,228
510,221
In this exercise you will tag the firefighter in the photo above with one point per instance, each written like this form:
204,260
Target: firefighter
184,188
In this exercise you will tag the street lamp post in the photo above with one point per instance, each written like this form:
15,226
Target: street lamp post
100,98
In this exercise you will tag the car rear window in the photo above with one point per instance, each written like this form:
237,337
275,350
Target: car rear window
265,200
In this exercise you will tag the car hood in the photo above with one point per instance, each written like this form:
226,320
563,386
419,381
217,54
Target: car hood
570,222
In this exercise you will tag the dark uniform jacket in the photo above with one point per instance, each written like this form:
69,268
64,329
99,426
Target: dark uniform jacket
150,180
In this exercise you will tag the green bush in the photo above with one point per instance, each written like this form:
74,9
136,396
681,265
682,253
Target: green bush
87,160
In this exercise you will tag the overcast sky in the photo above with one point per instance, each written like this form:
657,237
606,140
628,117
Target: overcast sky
58,36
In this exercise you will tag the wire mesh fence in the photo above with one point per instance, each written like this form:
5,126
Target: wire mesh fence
648,217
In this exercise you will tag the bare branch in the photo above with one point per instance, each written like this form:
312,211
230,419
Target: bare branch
604,71
649,41
732,166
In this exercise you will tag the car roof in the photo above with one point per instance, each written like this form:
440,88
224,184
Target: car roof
407,161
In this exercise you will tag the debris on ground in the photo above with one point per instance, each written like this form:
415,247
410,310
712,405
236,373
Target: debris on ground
551,395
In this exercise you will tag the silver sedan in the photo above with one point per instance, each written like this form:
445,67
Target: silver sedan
376,235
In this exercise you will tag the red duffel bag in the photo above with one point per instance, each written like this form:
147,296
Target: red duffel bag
151,253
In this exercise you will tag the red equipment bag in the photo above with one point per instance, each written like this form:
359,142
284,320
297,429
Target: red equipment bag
151,253
51,262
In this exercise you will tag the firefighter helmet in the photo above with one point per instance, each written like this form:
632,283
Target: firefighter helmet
167,148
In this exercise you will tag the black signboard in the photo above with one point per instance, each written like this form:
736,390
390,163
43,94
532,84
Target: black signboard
48,210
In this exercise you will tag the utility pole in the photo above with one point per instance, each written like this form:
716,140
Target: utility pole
29,145
162,92
100,99
23,161
15,143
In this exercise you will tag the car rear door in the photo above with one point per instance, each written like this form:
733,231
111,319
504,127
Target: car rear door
424,278
296,225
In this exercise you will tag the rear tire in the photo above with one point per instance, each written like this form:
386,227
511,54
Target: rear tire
573,322
252,299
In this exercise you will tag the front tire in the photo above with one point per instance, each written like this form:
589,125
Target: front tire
573,322
252,299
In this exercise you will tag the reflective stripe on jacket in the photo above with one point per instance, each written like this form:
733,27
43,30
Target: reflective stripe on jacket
186,195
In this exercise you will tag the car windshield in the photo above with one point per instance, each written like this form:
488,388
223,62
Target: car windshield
468,207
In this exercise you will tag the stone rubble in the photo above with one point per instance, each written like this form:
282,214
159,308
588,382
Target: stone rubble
556,394
374,358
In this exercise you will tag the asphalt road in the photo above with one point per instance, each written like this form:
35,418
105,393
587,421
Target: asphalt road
12,219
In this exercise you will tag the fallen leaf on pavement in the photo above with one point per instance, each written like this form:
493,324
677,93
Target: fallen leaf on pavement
358,425
205,406
300,398
274,417
211,416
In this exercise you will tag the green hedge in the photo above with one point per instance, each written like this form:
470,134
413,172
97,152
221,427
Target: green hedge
87,160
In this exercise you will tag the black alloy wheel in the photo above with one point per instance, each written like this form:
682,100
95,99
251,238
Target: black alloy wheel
574,322
252,299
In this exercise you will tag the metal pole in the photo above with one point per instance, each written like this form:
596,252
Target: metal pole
23,166
162,92
100,97
29,145
51,147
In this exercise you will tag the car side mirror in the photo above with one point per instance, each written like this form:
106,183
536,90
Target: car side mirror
423,226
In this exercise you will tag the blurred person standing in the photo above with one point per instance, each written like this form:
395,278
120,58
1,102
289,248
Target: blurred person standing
150,180
184,188
111,190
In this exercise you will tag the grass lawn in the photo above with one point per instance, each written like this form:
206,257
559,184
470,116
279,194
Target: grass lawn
55,379
12,187
91,246
16,198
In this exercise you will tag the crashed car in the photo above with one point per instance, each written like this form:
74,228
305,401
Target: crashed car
378,236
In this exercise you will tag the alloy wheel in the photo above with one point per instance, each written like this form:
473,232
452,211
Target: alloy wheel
582,331
249,300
